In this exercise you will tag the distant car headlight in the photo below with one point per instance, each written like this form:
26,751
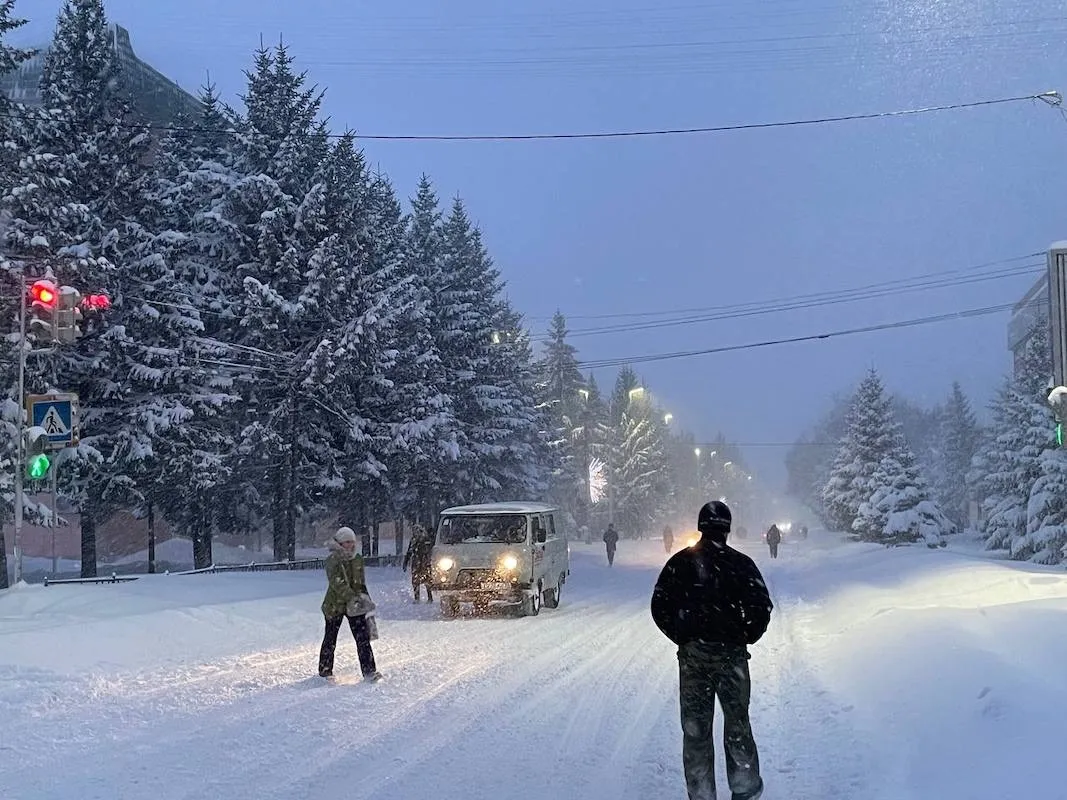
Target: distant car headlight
445,564
509,563
691,541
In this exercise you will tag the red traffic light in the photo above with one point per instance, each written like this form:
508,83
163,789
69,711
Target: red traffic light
44,292
97,302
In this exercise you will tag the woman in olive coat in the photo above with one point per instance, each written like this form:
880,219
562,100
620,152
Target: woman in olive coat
346,596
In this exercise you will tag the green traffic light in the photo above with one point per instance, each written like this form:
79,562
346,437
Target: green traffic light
1059,434
37,467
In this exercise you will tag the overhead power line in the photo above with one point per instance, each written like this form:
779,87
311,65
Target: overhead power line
907,323
1052,98
801,302
962,271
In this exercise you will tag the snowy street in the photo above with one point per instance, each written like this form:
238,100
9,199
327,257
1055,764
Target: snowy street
886,674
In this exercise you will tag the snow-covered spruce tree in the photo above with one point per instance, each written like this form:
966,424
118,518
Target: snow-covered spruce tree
899,510
592,437
291,427
424,259
559,393
1045,540
176,432
1001,477
1008,464
422,426
866,442
14,146
637,458
96,161
957,446
527,461
487,360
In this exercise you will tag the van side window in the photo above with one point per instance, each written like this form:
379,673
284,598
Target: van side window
537,527
550,521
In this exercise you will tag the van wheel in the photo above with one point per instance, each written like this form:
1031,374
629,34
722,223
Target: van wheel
531,606
552,595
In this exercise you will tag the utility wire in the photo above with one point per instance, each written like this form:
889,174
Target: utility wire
907,323
764,309
1052,98
970,270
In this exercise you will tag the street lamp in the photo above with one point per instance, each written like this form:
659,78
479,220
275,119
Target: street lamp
696,452
667,418
637,391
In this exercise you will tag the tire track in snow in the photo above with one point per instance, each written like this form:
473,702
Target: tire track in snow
501,701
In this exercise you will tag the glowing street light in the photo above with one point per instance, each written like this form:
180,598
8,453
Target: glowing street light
667,418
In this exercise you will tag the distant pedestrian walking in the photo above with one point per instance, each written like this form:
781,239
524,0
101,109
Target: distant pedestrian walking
668,539
347,596
712,602
419,557
774,538
611,540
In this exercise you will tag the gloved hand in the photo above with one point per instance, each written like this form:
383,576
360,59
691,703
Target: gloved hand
359,605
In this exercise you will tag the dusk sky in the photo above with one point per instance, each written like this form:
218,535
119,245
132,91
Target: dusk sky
663,227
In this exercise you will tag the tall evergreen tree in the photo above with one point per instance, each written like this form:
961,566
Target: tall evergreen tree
870,436
637,458
958,443
423,448
85,225
560,386
1009,463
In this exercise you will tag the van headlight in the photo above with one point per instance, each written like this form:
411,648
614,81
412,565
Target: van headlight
445,564
509,563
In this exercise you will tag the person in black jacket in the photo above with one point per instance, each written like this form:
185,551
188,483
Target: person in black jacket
712,601
419,557
774,538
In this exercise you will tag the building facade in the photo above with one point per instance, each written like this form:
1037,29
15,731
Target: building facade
155,97
1030,311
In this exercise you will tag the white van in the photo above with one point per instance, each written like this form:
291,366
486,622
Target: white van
500,554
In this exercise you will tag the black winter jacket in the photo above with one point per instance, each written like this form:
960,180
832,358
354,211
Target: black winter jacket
711,593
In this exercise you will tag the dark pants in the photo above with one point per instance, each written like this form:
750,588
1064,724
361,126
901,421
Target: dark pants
611,554
707,671
774,549
418,578
362,637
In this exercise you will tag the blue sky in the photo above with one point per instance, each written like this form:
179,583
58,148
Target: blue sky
654,224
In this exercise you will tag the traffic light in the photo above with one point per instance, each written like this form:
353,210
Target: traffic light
68,314
43,299
38,462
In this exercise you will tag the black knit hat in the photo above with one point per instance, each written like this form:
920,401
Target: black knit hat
715,517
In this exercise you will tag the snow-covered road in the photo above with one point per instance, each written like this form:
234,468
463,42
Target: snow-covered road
203,686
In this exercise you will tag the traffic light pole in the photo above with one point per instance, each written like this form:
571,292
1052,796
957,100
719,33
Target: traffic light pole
19,455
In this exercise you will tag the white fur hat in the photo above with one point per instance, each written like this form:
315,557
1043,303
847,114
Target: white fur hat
345,534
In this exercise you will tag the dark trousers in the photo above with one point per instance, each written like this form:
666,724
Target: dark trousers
774,549
418,578
611,554
707,671
362,637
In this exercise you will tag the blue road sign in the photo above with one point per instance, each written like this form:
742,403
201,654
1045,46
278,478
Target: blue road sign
56,414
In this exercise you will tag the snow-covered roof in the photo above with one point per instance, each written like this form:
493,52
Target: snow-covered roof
502,508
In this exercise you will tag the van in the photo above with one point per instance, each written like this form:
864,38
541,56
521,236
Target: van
500,554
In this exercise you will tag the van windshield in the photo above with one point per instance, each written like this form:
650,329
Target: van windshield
490,529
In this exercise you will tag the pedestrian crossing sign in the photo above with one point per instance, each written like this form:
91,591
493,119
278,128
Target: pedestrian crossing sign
58,415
